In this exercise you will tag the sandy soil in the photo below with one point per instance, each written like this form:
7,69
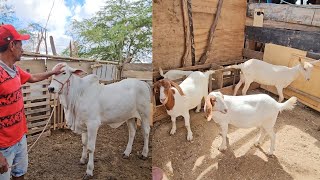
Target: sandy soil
57,156
297,149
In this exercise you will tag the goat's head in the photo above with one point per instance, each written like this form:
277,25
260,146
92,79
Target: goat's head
60,80
215,102
306,68
163,87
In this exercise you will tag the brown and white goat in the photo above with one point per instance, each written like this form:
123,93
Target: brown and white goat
179,99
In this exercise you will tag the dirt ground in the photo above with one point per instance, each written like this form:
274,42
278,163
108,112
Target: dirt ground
297,149
57,157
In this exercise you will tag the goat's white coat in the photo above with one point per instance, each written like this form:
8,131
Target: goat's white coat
174,74
262,72
87,104
259,110
195,87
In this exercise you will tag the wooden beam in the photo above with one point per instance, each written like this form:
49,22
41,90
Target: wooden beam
31,54
304,40
283,25
313,55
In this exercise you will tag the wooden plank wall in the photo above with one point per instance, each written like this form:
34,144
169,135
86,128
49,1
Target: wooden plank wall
168,33
229,35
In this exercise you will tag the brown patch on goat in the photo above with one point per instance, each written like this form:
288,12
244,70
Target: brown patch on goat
170,101
210,100
167,84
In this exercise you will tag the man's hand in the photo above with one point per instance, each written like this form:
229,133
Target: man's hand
4,166
58,69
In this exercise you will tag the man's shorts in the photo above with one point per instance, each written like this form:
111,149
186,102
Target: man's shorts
16,154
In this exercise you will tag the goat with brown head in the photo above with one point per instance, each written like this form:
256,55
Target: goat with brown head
215,103
164,87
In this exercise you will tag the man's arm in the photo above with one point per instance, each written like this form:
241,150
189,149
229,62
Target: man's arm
42,76
4,166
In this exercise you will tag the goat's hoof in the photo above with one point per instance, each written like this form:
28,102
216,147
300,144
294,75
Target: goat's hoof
222,149
172,132
142,157
83,161
124,156
86,177
189,137
256,144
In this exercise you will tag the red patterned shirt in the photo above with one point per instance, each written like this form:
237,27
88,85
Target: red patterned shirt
13,124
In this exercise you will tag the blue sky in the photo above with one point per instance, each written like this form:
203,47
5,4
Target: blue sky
37,11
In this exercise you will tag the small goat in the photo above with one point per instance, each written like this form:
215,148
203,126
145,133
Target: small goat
259,110
178,100
255,70
174,74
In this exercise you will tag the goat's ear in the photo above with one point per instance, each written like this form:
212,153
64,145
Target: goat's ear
300,61
208,107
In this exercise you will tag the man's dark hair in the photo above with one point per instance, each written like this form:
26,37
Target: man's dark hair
4,48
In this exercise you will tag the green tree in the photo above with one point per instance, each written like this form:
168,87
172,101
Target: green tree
122,29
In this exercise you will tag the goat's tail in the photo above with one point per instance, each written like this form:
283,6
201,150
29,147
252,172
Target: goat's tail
289,104
161,72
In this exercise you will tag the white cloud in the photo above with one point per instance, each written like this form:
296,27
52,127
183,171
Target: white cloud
37,11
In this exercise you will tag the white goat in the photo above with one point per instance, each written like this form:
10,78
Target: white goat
255,70
259,110
178,100
174,74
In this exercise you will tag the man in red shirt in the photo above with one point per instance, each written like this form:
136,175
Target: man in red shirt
13,124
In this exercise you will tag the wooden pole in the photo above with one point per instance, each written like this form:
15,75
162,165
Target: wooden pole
204,56
193,56
53,47
186,29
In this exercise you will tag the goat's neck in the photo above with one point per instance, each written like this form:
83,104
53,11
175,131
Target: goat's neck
295,71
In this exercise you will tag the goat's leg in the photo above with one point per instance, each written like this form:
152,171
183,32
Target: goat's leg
146,132
198,108
241,81
224,131
280,89
92,137
84,156
272,136
132,132
174,126
261,137
186,117
246,87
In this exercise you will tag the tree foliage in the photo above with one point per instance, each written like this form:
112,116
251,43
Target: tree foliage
121,29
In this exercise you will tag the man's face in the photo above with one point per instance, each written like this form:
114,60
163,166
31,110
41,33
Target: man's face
17,50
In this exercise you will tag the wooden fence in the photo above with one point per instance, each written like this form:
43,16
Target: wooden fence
39,104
